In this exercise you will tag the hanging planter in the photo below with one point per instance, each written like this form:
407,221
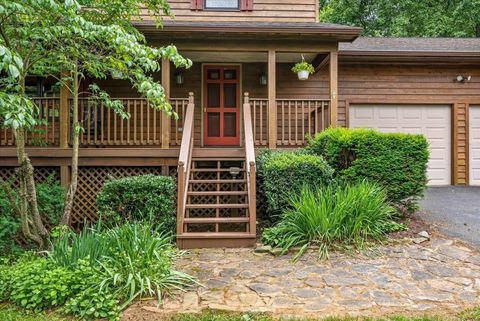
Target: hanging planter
303,69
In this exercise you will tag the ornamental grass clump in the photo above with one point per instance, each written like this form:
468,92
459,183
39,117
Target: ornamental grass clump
336,216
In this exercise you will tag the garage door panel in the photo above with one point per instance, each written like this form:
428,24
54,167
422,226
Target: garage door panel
433,121
474,145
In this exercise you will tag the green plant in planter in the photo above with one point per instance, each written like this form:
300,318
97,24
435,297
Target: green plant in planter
303,69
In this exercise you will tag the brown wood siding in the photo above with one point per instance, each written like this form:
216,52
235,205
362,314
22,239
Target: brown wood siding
399,83
460,147
263,11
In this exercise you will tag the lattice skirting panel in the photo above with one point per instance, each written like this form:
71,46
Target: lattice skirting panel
90,182
41,174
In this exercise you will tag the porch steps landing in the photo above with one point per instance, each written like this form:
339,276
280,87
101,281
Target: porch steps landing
217,209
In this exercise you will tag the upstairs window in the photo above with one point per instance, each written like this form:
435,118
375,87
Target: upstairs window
222,4
228,5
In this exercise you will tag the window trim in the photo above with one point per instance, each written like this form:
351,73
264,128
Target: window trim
238,8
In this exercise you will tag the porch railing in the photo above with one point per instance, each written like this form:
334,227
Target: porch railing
250,164
103,127
296,119
46,133
184,163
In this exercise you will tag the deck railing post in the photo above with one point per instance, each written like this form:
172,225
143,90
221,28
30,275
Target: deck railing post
334,88
272,104
64,115
165,119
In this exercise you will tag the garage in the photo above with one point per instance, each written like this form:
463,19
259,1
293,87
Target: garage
474,145
434,121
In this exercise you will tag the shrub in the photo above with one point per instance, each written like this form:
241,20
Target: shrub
328,216
397,162
284,174
50,197
145,197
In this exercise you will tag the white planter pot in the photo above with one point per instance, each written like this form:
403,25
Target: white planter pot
303,74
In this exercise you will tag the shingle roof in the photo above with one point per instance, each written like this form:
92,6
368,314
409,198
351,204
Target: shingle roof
412,45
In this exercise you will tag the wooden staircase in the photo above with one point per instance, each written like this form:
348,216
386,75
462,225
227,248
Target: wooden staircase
216,192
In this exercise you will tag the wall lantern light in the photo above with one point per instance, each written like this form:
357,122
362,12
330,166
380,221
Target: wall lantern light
461,78
116,74
179,77
263,79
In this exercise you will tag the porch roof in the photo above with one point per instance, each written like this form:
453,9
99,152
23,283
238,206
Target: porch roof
246,29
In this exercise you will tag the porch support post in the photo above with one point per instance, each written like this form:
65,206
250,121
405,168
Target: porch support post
64,115
334,88
165,118
272,103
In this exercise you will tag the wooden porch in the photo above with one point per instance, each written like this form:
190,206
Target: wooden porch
216,203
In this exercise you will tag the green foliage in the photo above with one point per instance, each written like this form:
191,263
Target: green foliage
146,197
405,18
141,263
11,313
97,273
397,162
300,66
333,216
50,197
38,285
284,174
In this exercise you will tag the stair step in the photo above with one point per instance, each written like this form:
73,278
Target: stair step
216,235
207,206
216,181
218,153
217,193
214,170
213,220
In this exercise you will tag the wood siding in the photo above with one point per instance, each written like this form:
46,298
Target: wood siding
263,11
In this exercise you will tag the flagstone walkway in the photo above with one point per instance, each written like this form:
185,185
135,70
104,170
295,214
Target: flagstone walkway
438,276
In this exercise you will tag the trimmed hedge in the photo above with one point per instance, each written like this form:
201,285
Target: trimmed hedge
396,161
283,174
138,198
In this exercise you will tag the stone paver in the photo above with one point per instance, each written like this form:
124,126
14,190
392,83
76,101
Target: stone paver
439,276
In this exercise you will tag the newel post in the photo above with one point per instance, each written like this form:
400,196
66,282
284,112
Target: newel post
246,98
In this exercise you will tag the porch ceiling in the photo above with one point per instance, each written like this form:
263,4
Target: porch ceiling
245,57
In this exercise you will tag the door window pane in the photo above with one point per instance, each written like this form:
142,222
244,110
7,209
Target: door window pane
230,95
213,74
213,125
221,4
230,74
229,124
213,94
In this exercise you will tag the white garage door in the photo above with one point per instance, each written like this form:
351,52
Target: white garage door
431,120
474,145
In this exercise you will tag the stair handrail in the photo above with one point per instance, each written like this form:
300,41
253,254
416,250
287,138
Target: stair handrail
250,164
184,162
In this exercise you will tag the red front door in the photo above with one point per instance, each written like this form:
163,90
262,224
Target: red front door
221,102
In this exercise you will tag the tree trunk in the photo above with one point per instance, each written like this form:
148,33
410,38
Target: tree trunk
72,189
30,215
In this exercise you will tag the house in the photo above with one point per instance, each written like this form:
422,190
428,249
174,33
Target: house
240,95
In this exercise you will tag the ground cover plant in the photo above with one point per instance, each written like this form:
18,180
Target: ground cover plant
96,273
338,215
143,197
398,162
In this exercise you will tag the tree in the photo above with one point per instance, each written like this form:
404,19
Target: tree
90,37
405,18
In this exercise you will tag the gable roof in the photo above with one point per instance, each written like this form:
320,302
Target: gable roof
389,46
